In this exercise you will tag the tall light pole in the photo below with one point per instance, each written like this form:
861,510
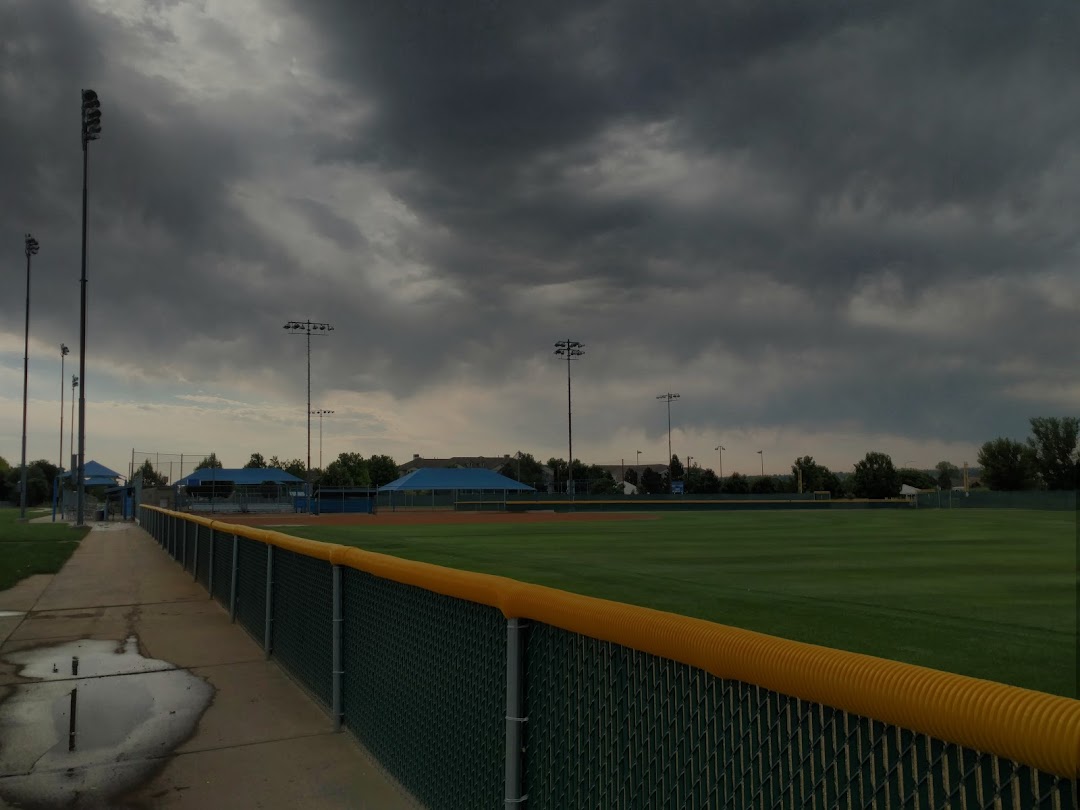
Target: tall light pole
570,349
91,131
720,449
63,354
308,328
668,396
762,454
689,467
31,249
71,440
638,462
319,412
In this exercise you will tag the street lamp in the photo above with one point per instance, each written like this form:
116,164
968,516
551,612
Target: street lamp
31,249
319,412
762,454
638,462
720,449
668,396
91,131
570,349
308,328
63,354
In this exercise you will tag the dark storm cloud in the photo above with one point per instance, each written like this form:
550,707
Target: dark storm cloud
918,140
722,186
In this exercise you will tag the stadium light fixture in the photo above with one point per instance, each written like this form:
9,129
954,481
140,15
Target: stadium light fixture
307,328
668,396
30,247
571,350
90,131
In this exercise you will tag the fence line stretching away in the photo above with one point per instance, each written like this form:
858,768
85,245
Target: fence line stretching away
475,690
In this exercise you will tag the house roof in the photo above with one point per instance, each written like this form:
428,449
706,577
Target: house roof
439,478
245,475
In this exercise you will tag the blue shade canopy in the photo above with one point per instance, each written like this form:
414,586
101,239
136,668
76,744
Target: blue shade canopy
244,477
442,478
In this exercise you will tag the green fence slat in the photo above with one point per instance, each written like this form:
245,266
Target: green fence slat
222,562
424,689
251,587
303,620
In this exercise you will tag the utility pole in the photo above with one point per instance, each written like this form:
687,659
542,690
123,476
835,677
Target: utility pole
570,349
668,397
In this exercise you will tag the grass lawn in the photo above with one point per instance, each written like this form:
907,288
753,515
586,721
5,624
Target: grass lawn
988,593
33,548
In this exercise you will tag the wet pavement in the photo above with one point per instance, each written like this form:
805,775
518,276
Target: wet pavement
92,702
174,705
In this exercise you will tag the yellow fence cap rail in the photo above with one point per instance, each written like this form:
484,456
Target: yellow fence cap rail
1034,728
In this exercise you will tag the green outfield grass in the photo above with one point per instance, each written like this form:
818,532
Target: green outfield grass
33,548
988,593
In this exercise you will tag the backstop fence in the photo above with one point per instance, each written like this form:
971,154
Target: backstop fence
480,691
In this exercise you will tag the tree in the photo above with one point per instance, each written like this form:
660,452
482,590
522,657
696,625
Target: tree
677,469
210,462
256,462
737,485
383,470
631,477
150,476
1008,465
1054,444
948,474
524,468
295,467
274,463
4,466
915,478
45,468
812,473
831,483
651,482
704,482
763,485
875,477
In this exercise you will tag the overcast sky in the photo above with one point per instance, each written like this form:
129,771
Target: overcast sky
831,227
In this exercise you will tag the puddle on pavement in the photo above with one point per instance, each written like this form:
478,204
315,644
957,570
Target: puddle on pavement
129,711
6,614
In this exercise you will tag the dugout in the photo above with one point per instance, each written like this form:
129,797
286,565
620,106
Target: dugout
212,489
450,488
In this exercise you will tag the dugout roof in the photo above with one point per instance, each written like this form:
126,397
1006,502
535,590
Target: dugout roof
446,478
246,476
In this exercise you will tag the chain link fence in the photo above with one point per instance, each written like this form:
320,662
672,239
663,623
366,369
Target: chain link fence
469,709
424,688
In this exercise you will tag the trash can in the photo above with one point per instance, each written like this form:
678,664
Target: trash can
99,514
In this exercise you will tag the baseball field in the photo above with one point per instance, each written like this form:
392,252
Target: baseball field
987,593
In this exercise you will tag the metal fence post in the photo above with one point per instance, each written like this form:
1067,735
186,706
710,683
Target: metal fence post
515,721
195,556
232,585
337,668
267,630
210,572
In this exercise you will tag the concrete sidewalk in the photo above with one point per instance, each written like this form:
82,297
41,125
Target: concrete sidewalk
262,742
